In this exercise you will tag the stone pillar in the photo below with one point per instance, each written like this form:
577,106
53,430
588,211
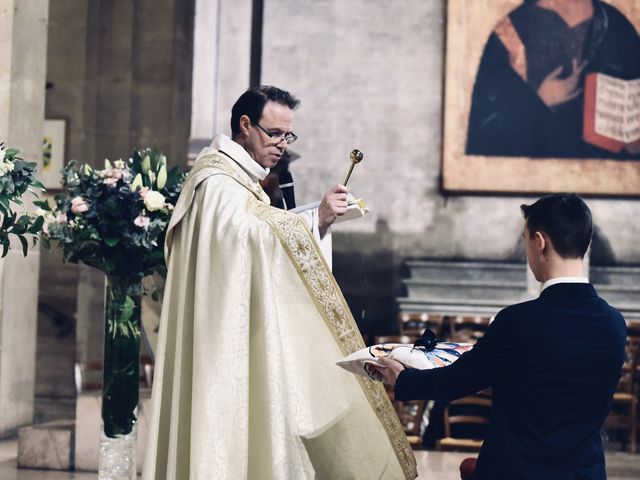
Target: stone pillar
23,50
137,84
221,66
144,78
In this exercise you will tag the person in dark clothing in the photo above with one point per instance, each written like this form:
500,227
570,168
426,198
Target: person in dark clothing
553,363
528,98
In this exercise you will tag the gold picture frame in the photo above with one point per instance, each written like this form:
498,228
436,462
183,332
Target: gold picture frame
469,25
54,143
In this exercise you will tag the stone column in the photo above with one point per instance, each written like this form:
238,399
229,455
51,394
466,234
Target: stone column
23,56
137,80
144,78
221,66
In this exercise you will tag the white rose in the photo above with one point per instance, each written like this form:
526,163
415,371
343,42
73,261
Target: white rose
2,154
9,166
153,200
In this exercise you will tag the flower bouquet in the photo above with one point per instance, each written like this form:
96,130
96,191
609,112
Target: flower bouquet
16,178
115,220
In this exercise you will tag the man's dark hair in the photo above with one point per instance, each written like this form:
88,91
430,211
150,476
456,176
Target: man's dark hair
565,218
251,103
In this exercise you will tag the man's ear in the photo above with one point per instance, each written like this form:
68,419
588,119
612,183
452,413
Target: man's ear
245,123
541,242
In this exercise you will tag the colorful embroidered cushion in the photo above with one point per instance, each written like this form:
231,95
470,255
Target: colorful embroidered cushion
444,353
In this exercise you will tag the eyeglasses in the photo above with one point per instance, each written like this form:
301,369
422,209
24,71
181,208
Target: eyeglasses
288,137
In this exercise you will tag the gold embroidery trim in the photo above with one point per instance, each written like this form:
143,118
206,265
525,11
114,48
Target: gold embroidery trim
312,268
217,162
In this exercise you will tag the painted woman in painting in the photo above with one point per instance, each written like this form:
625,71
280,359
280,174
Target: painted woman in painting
528,97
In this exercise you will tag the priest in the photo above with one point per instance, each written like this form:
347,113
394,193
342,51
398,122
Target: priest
252,324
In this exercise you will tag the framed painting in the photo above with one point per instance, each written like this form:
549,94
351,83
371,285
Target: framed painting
53,152
525,80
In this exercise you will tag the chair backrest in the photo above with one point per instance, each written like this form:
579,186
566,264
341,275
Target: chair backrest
468,328
623,414
410,339
633,329
466,417
627,382
414,323
410,414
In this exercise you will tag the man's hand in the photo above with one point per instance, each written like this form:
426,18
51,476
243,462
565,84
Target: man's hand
333,204
389,369
554,91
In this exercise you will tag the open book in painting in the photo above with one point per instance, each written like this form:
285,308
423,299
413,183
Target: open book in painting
611,111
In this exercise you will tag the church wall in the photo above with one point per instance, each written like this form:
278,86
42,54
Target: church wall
370,76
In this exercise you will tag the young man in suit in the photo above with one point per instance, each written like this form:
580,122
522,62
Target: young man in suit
553,363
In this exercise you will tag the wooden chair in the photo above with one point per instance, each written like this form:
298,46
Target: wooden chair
624,411
410,414
465,421
468,328
414,323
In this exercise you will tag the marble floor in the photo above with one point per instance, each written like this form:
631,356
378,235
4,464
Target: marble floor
431,465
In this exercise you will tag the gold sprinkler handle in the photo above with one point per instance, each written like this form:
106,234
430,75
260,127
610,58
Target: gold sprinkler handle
355,156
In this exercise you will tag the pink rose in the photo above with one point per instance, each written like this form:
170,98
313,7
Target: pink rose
142,221
110,182
79,205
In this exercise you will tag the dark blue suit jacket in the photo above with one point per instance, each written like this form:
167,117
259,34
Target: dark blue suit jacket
553,364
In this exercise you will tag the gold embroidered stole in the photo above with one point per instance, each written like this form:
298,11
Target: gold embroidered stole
314,272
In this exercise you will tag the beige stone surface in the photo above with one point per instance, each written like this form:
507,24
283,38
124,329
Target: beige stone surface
23,47
47,446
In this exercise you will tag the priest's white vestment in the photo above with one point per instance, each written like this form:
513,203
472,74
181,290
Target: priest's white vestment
246,384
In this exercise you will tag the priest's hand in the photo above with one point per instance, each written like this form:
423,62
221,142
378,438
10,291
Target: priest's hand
389,369
333,204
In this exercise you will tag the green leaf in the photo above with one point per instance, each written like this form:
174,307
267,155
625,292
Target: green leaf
37,184
127,309
43,204
37,225
25,245
112,242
